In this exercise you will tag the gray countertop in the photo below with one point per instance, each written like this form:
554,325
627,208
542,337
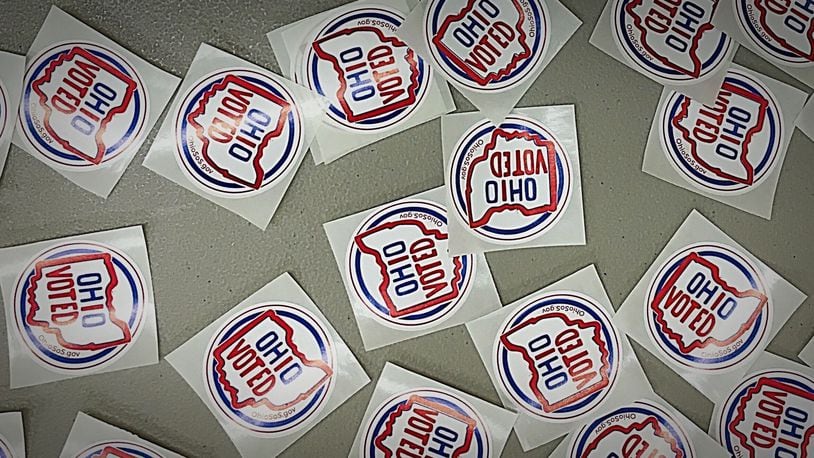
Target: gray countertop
205,259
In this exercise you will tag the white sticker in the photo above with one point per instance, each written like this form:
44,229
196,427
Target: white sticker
12,67
236,134
87,103
515,185
270,369
491,51
707,307
807,354
77,306
376,85
411,416
805,122
779,31
400,279
672,43
646,427
557,357
732,150
92,438
769,412
12,437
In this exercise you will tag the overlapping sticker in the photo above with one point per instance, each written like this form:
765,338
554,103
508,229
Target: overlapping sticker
780,31
87,103
270,369
731,150
12,437
807,353
647,427
411,416
78,306
557,357
377,86
513,185
92,438
769,412
707,307
805,122
491,51
12,68
400,278
236,134
673,43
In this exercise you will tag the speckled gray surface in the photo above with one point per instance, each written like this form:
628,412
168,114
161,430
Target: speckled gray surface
205,259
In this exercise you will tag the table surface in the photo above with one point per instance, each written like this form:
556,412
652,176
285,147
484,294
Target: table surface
205,259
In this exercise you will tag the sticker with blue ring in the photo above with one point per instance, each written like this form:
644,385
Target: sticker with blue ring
238,133
3,109
118,449
784,30
83,106
708,307
425,422
729,147
558,355
5,449
510,183
771,413
79,306
642,428
400,268
488,45
675,42
372,79
271,368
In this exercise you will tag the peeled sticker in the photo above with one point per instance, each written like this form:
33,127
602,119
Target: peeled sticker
236,134
79,305
273,367
400,278
706,307
807,354
410,416
516,184
375,83
12,437
731,150
674,44
92,438
643,428
558,358
782,32
87,103
491,51
768,412
805,122
12,68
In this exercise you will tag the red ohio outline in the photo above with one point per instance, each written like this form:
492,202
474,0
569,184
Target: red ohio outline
385,283
638,426
604,370
412,88
552,177
471,424
43,101
685,133
750,393
716,275
108,450
250,401
762,13
201,134
56,331
695,72
461,63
